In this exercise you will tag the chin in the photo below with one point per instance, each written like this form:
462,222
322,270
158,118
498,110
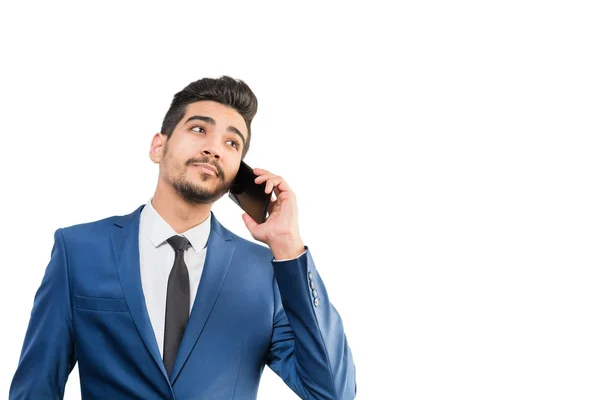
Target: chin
210,186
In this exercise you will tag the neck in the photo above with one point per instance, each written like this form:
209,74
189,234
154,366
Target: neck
177,212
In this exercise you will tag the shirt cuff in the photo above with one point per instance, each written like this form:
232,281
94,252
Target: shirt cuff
295,258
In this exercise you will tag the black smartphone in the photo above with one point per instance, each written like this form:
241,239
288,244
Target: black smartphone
250,196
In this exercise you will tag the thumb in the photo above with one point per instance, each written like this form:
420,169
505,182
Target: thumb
250,223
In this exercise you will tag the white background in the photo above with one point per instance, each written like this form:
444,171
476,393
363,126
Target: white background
445,156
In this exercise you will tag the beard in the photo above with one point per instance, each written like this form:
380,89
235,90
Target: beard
196,194
192,192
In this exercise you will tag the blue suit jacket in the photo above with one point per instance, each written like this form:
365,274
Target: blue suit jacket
248,312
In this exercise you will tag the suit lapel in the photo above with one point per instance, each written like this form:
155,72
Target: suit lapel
219,254
127,255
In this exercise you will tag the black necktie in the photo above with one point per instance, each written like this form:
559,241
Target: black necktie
178,302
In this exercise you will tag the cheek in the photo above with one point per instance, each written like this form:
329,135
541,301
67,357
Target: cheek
178,154
231,171
174,163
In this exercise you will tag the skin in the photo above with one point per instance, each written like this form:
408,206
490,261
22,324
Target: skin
213,135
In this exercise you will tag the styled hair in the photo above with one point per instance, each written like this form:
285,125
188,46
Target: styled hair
224,90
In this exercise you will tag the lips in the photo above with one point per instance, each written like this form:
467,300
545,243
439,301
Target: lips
206,168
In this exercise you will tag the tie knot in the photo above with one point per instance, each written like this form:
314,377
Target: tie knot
178,242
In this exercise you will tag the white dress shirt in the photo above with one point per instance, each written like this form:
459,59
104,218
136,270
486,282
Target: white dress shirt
157,258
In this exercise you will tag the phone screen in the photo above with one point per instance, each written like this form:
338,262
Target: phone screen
248,195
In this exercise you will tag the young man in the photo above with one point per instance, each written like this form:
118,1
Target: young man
165,303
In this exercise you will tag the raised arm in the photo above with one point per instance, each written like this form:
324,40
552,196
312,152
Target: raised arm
309,350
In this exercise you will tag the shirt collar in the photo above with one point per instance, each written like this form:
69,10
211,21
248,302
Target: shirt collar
158,230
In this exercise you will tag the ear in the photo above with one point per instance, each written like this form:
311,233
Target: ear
157,147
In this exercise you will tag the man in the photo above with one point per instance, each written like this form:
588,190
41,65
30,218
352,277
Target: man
165,303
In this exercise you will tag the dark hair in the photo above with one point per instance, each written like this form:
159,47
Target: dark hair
225,90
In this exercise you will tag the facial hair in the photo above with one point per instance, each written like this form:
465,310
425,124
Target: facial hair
188,190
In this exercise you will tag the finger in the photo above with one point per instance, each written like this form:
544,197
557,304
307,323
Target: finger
283,195
249,221
282,186
273,183
269,186
267,182
280,194
263,178
261,172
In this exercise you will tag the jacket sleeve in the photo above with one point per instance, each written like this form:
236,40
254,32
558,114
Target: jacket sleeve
48,353
309,350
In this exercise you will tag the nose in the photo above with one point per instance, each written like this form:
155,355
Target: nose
210,148
210,152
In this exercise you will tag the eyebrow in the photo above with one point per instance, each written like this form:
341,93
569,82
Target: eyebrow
211,121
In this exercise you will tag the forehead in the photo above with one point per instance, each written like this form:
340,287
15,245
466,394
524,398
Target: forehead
223,115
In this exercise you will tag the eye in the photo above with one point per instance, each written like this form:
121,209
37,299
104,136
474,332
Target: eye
198,129
234,143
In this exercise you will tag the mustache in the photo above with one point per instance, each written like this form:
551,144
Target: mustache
206,160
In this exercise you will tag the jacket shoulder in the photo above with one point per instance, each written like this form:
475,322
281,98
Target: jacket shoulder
96,228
